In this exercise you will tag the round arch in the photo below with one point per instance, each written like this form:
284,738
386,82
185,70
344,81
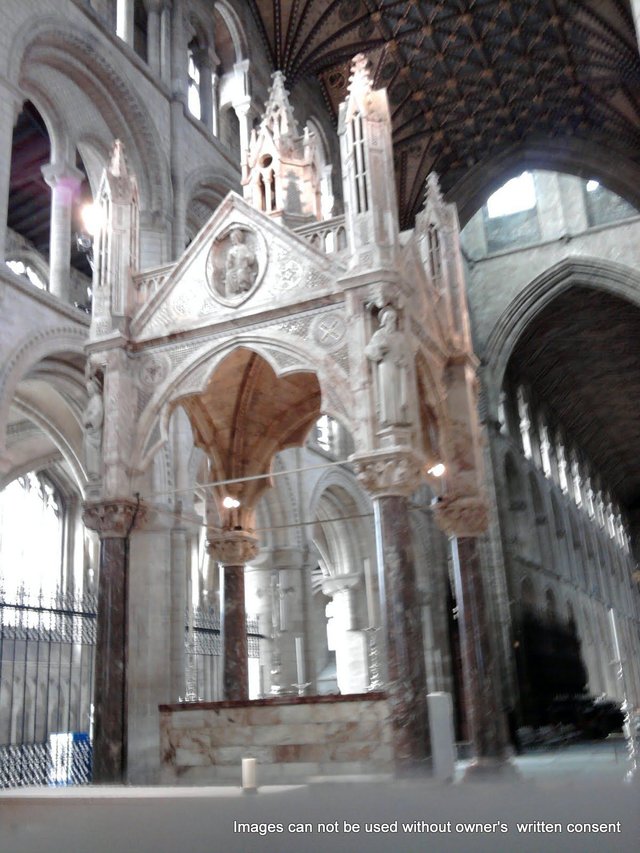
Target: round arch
72,51
32,349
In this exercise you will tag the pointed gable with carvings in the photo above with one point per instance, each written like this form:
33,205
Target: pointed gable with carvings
242,263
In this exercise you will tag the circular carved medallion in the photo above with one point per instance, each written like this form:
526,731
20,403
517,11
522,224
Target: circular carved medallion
236,264
329,331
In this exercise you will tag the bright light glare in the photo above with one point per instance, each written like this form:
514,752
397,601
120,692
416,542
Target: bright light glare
230,503
437,470
516,195
592,186
92,220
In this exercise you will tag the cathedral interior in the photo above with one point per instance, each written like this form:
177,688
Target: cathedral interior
319,384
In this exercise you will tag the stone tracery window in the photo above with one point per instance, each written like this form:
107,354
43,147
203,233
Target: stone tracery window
31,534
356,134
193,90
525,422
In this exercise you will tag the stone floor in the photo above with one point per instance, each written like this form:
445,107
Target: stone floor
581,784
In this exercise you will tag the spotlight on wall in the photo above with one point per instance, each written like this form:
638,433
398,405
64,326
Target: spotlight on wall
230,503
92,218
437,470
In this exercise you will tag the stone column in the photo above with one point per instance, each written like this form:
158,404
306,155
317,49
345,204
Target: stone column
464,520
242,107
65,181
233,549
179,568
113,521
215,113
390,477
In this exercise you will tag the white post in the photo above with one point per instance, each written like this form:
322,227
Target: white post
249,776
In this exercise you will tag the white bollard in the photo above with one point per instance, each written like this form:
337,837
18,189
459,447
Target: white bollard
443,747
249,783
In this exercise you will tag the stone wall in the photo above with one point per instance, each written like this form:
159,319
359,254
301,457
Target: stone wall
291,739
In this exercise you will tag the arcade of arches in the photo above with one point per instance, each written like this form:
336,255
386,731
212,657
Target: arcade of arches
309,375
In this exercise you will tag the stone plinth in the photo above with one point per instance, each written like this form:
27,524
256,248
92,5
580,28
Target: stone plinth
291,739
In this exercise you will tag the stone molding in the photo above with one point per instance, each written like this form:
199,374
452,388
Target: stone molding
397,471
113,519
232,547
462,516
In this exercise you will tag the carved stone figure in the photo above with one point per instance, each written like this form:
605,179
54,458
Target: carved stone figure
387,349
92,419
241,266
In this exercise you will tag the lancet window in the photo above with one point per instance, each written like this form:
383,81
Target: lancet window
356,131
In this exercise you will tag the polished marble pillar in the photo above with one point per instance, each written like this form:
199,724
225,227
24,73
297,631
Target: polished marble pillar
113,521
390,477
465,519
233,549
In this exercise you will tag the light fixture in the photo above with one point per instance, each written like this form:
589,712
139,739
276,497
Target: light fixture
437,470
230,503
92,218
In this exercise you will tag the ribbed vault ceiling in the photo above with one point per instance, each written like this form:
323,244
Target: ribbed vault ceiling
470,79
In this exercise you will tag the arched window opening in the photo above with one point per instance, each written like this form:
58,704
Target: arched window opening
356,139
525,423
511,216
561,456
603,206
31,534
435,255
140,23
576,479
545,447
29,214
193,90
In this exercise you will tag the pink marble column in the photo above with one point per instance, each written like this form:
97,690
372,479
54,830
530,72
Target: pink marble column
113,521
390,477
233,549
464,520
406,684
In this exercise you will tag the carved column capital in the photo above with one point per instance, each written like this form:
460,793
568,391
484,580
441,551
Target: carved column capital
462,516
339,583
113,519
232,547
383,473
